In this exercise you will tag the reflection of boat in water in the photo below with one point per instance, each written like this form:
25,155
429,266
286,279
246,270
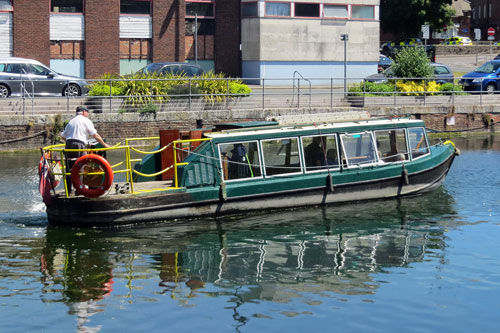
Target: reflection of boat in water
334,250
269,166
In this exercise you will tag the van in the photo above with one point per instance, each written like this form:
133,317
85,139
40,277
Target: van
484,78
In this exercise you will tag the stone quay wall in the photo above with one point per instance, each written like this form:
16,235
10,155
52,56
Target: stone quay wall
33,132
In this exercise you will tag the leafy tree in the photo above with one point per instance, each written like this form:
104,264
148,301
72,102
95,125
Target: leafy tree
404,18
412,62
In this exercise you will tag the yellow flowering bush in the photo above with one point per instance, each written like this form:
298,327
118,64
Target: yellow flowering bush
413,88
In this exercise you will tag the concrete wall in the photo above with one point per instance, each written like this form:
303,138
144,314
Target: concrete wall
277,47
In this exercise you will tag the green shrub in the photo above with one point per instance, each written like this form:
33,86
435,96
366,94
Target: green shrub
237,88
182,90
149,108
412,62
103,90
371,89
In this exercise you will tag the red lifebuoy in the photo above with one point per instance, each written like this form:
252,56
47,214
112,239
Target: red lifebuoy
81,188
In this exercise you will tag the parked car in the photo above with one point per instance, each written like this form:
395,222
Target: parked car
19,76
176,68
384,63
442,74
388,46
458,40
484,78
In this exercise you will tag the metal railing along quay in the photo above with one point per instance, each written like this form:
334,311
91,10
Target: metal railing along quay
283,93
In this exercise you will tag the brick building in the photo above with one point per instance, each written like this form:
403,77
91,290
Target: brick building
87,38
245,38
486,14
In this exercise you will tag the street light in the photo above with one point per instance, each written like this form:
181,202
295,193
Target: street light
345,38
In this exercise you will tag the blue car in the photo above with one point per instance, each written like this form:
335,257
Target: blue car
484,78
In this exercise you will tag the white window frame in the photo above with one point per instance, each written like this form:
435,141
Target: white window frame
408,153
260,156
326,167
359,165
264,167
409,143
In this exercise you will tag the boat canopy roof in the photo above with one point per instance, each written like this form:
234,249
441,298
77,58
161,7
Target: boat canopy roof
310,129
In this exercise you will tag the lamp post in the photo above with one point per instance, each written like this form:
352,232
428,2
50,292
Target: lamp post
345,38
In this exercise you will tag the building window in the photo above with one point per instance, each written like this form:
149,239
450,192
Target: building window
249,9
282,9
337,11
135,7
363,12
66,6
205,27
202,9
306,10
5,5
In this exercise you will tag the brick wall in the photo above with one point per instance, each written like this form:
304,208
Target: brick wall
18,132
205,47
31,30
463,121
102,37
66,49
227,37
168,30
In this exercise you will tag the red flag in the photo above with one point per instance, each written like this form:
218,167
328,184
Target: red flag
45,183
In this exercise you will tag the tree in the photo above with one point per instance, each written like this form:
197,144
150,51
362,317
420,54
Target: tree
404,18
412,62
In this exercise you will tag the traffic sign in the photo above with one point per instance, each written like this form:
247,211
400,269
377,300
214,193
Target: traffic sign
477,33
425,31
491,31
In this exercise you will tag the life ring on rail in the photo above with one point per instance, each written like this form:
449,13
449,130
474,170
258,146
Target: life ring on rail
91,191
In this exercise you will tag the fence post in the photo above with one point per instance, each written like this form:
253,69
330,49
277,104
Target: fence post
110,95
298,93
227,94
190,93
263,92
481,94
453,93
331,94
395,92
67,97
425,90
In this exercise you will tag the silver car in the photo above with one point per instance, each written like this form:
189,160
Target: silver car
27,77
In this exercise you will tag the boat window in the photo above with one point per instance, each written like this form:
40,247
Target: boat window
391,145
418,142
320,152
281,156
240,160
358,148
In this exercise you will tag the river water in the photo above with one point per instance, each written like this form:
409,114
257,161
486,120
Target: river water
425,263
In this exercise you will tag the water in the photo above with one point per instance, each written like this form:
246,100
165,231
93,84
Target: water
426,263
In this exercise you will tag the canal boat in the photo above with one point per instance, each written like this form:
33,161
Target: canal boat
233,169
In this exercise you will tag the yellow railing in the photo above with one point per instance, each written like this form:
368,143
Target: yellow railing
128,170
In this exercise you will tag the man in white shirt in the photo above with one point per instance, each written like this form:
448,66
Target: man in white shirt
76,135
